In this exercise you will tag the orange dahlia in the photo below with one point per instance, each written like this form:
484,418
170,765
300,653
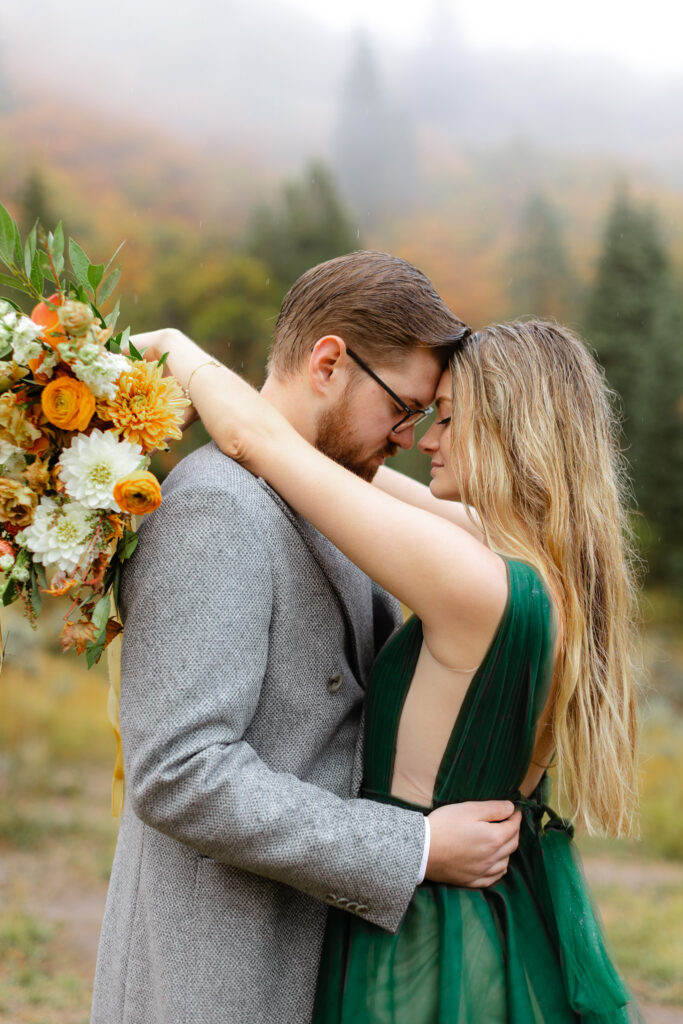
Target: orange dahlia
147,407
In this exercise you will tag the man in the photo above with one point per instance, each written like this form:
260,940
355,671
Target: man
248,641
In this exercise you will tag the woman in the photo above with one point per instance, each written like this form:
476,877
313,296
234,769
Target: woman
518,652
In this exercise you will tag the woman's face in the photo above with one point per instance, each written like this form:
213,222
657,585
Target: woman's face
437,443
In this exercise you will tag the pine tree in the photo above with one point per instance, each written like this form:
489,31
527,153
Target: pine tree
307,225
634,322
541,281
34,204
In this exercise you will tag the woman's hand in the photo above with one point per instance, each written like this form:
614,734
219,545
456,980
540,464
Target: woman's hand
183,357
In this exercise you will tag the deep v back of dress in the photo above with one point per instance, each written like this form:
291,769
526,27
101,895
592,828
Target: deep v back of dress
529,950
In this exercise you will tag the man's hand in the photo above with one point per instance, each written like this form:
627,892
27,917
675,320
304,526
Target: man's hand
472,842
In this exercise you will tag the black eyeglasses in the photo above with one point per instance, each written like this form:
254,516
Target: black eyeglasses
412,416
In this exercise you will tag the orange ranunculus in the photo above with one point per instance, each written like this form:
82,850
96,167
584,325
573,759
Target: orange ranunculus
68,403
48,319
138,493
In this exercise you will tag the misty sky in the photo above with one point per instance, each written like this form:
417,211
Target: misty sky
646,37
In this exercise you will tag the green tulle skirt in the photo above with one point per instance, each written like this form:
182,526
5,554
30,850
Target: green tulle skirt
529,950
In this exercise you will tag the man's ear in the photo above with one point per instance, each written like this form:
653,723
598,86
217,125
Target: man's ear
327,364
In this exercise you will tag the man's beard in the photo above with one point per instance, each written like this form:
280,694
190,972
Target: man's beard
334,431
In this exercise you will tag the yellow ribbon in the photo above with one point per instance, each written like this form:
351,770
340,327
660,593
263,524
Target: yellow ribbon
114,666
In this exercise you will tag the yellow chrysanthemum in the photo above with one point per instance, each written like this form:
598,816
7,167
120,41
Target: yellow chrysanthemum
147,408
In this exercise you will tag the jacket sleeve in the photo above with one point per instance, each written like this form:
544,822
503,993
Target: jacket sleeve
197,600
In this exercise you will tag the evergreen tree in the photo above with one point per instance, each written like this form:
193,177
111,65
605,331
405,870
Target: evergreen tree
34,204
633,320
307,225
374,151
541,282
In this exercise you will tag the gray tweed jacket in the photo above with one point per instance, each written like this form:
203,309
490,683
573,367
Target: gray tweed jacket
248,639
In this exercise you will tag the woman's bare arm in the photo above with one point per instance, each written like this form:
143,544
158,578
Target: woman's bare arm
456,585
398,485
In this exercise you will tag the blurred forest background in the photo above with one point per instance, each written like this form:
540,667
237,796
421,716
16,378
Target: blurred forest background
232,147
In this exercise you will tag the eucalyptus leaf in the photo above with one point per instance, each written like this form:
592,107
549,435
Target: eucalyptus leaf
18,248
95,275
127,545
8,593
11,282
30,249
116,586
79,263
36,274
109,285
111,319
35,597
100,613
56,247
114,257
6,236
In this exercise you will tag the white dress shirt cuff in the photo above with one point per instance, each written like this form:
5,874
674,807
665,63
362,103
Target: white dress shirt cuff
425,854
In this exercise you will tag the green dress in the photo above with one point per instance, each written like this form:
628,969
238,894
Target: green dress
530,948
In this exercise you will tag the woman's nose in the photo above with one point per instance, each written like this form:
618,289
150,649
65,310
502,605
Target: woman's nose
429,441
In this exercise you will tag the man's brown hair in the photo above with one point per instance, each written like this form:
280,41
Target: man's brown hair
380,305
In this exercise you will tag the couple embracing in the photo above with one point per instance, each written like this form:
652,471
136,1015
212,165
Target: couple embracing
332,816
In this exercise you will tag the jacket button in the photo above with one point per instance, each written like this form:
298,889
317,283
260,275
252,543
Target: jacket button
335,683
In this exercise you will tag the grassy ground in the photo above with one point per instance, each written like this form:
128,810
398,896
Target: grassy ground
57,836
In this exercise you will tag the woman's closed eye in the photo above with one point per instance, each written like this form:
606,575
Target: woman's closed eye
444,422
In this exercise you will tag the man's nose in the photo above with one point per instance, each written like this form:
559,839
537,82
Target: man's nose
404,438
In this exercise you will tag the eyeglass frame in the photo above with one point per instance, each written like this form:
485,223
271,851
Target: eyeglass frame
421,414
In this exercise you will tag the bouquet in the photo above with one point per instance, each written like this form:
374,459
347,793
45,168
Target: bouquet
79,420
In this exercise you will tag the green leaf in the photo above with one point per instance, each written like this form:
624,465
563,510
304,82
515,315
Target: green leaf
114,256
100,617
111,319
30,249
6,235
57,248
10,282
162,360
35,596
8,593
37,273
95,275
5,350
116,586
127,545
18,247
45,263
109,285
79,263
134,354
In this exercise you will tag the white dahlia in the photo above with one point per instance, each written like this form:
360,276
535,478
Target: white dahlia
93,464
60,534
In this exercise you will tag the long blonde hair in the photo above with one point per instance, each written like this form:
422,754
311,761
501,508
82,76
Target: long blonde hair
535,442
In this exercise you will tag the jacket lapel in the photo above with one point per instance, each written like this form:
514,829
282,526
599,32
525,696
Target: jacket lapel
351,587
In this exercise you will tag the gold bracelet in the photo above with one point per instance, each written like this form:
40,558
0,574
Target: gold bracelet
186,389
